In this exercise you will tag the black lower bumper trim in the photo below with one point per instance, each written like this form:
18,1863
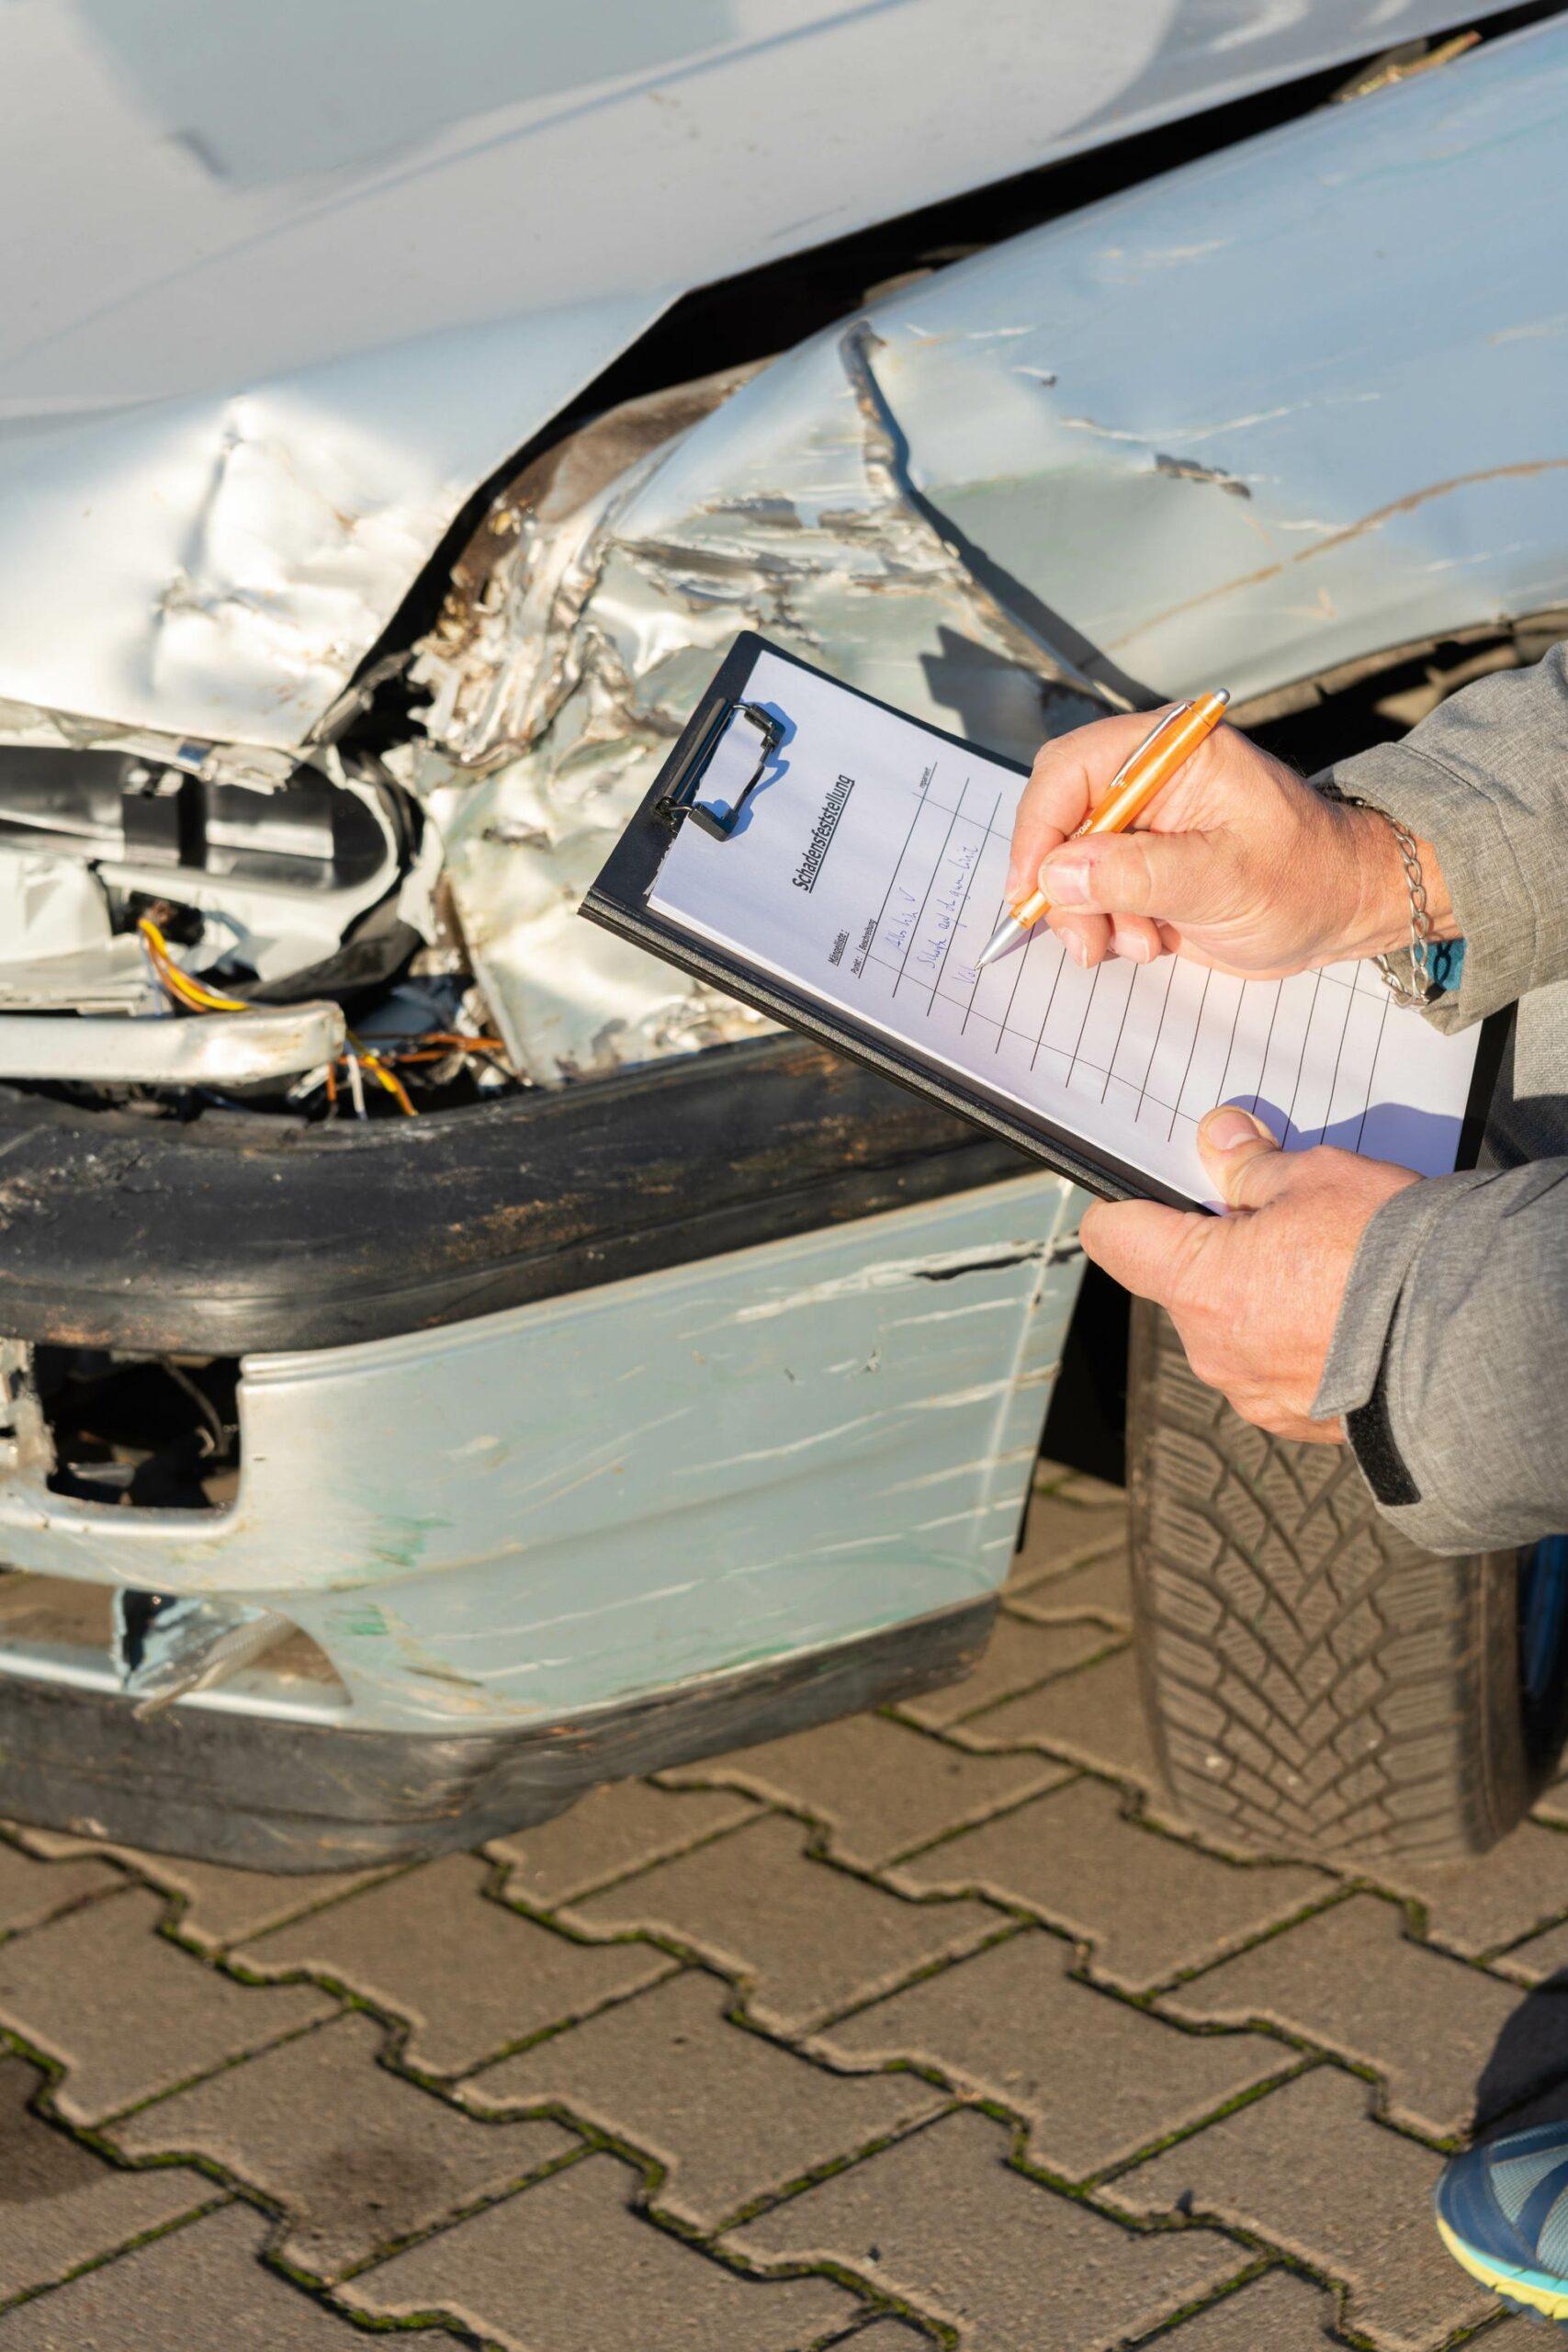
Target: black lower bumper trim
222,1786
157,1238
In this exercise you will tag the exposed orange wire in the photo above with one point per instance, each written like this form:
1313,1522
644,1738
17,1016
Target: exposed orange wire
435,1053
387,1078
453,1039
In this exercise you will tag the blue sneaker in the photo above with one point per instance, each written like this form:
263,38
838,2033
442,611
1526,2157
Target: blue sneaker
1503,2213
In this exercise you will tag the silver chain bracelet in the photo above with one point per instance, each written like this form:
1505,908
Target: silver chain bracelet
1426,985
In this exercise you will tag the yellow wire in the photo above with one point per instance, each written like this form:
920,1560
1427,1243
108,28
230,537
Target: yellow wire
198,999
389,1080
178,983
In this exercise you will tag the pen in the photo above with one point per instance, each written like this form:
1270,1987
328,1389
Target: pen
1145,772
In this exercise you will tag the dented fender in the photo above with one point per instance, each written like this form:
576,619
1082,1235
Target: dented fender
1288,407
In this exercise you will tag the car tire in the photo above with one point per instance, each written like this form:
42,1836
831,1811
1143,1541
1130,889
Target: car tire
1315,1682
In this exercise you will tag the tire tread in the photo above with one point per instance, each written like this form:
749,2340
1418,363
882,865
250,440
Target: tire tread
1314,1680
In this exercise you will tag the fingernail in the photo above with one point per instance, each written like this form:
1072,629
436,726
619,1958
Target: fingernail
1228,1129
1067,883
1078,948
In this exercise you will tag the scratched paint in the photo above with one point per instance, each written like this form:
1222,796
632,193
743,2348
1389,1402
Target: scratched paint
748,1458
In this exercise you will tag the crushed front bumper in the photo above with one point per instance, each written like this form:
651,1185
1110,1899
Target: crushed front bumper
718,1421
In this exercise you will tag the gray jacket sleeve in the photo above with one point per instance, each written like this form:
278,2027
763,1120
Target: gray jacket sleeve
1485,779
1449,1361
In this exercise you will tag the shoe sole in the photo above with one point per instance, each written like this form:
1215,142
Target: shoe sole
1529,2291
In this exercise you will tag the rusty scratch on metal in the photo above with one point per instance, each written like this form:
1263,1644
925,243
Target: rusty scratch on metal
1372,522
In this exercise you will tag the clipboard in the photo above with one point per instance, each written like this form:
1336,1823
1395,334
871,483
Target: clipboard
684,793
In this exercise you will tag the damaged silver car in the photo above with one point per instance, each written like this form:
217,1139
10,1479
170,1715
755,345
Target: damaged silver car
450,1358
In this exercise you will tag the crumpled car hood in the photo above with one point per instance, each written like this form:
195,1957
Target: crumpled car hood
286,283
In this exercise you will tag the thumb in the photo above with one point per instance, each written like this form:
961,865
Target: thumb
1241,1155
1179,878
1147,1249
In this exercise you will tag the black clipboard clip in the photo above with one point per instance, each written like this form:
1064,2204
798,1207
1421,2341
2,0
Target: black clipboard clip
679,801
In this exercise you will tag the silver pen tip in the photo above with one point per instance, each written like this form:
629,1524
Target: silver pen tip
1001,939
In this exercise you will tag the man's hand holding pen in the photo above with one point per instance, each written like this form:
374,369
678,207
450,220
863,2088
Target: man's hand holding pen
1238,863
1241,867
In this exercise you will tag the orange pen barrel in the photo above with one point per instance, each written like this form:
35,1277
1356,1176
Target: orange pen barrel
1153,766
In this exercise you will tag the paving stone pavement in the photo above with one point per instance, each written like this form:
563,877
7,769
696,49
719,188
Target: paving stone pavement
202,2287
927,2030
941,2220
1307,2169
350,2155
571,2264
469,1976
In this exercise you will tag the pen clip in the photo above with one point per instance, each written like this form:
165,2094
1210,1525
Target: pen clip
1168,718
680,801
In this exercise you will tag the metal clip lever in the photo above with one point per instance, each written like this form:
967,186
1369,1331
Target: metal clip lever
680,800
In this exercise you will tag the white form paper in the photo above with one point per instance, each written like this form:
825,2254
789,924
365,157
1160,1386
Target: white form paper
867,869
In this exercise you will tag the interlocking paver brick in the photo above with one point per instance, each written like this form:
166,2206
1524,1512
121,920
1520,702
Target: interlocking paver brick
65,2206
1094,1716
885,2335
1553,1802
1276,2313
878,1786
1095,2079
940,2220
221,1906
201,2288
1019,1655
805,1938
1353,1980
1077,1486
129,2014
569,2266
354,2155
53,1845
217,1904
1069,1519
469,1975
882,2337
1538,1959
1307,2169
1476,1906
1150,1904
1098,1588
621,1826
729,2112
33,1891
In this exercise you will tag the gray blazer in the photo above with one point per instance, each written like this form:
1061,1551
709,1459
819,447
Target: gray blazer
1449,1359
